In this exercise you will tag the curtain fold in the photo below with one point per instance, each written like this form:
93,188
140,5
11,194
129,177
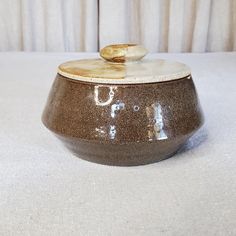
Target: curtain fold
88,25
43,25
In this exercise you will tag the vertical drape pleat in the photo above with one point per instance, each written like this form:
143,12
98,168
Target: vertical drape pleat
233,24
189,20
114,22
43,25
176,26
164,24
88,25
145,13
201,25
10,25
219,36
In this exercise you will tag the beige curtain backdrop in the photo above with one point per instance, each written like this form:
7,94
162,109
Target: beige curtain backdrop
87,25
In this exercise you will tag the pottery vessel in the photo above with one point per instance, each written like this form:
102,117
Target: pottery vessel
123,110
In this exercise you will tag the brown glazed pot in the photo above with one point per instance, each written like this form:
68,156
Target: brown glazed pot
115,122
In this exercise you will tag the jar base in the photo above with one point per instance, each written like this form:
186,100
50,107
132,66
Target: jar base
128,154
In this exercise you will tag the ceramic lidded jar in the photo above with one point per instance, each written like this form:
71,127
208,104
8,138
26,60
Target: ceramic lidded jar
123,109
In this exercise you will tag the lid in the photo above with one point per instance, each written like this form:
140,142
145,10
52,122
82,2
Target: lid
123,64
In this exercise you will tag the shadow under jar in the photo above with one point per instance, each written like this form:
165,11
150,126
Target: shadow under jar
123,110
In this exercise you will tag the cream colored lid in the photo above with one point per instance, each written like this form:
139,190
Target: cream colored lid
122,64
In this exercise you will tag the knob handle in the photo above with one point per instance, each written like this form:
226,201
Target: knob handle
121,53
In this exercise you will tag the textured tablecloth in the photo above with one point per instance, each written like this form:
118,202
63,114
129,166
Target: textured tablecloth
45,190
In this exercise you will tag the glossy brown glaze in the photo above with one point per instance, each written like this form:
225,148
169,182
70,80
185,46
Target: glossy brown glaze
123,125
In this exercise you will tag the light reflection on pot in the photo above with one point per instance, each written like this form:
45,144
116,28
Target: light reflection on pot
112,131
116,107
156,124
106,102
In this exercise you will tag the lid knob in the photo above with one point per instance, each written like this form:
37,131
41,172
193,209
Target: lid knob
121,53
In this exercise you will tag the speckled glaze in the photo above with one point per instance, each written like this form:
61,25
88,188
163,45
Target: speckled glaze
123,124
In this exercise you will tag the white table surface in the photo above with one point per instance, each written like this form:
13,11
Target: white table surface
45,190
